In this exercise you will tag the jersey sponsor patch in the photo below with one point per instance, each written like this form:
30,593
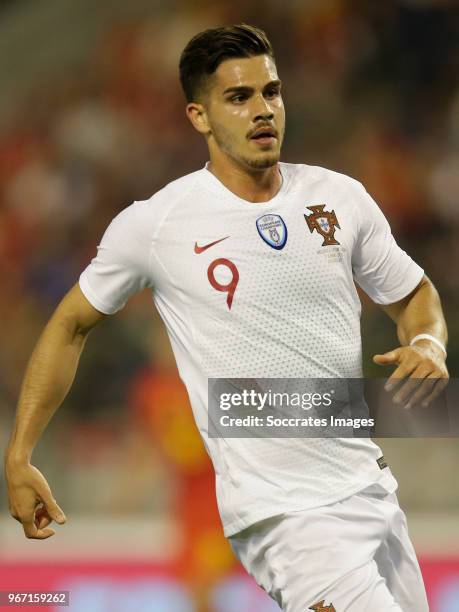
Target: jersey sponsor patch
324,222
382,462
321,607
272,230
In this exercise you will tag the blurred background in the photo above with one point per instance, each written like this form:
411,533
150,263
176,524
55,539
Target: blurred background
91,118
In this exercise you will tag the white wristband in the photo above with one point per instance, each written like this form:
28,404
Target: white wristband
431,338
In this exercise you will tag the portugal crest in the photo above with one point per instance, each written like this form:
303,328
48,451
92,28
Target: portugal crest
320,607
323,222
273,230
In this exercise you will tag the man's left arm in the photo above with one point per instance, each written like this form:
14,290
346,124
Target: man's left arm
423,362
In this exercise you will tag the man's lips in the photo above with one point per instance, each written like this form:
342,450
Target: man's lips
264,133
263,139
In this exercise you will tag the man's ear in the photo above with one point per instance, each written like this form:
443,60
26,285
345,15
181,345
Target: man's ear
196,113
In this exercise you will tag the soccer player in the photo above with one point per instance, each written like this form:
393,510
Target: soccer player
252,264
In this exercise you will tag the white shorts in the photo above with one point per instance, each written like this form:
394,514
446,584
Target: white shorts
351,556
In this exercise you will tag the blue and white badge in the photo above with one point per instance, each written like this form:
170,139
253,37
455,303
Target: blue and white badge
273,230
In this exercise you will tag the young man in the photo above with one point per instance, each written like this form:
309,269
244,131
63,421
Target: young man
238,257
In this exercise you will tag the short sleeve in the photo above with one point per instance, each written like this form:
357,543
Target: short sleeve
383,270
121,267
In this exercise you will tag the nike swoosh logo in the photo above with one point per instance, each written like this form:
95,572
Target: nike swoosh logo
200,249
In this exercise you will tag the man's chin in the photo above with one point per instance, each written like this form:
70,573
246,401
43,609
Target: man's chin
261,162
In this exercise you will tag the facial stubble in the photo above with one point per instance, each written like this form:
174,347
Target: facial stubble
228,144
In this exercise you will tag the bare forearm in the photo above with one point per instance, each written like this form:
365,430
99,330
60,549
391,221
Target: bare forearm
422,315
49,375
48,378
423,363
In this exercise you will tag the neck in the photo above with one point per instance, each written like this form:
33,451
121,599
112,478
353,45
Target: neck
253,185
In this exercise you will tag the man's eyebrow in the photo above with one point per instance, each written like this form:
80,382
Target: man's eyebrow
246,89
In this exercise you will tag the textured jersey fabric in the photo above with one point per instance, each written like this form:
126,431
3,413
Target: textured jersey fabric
234,305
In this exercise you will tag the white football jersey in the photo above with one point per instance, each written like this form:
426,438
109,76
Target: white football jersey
262,290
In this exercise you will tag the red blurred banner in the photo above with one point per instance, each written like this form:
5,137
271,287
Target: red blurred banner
147,587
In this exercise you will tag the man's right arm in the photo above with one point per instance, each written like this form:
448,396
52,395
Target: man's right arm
48,378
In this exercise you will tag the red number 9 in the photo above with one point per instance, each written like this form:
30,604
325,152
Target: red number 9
230,288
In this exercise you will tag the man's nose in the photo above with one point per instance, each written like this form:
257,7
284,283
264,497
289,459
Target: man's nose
262,109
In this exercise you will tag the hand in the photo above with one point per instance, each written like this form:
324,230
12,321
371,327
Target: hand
31,501
424,364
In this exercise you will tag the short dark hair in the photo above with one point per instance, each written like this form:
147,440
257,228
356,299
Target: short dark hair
208,49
